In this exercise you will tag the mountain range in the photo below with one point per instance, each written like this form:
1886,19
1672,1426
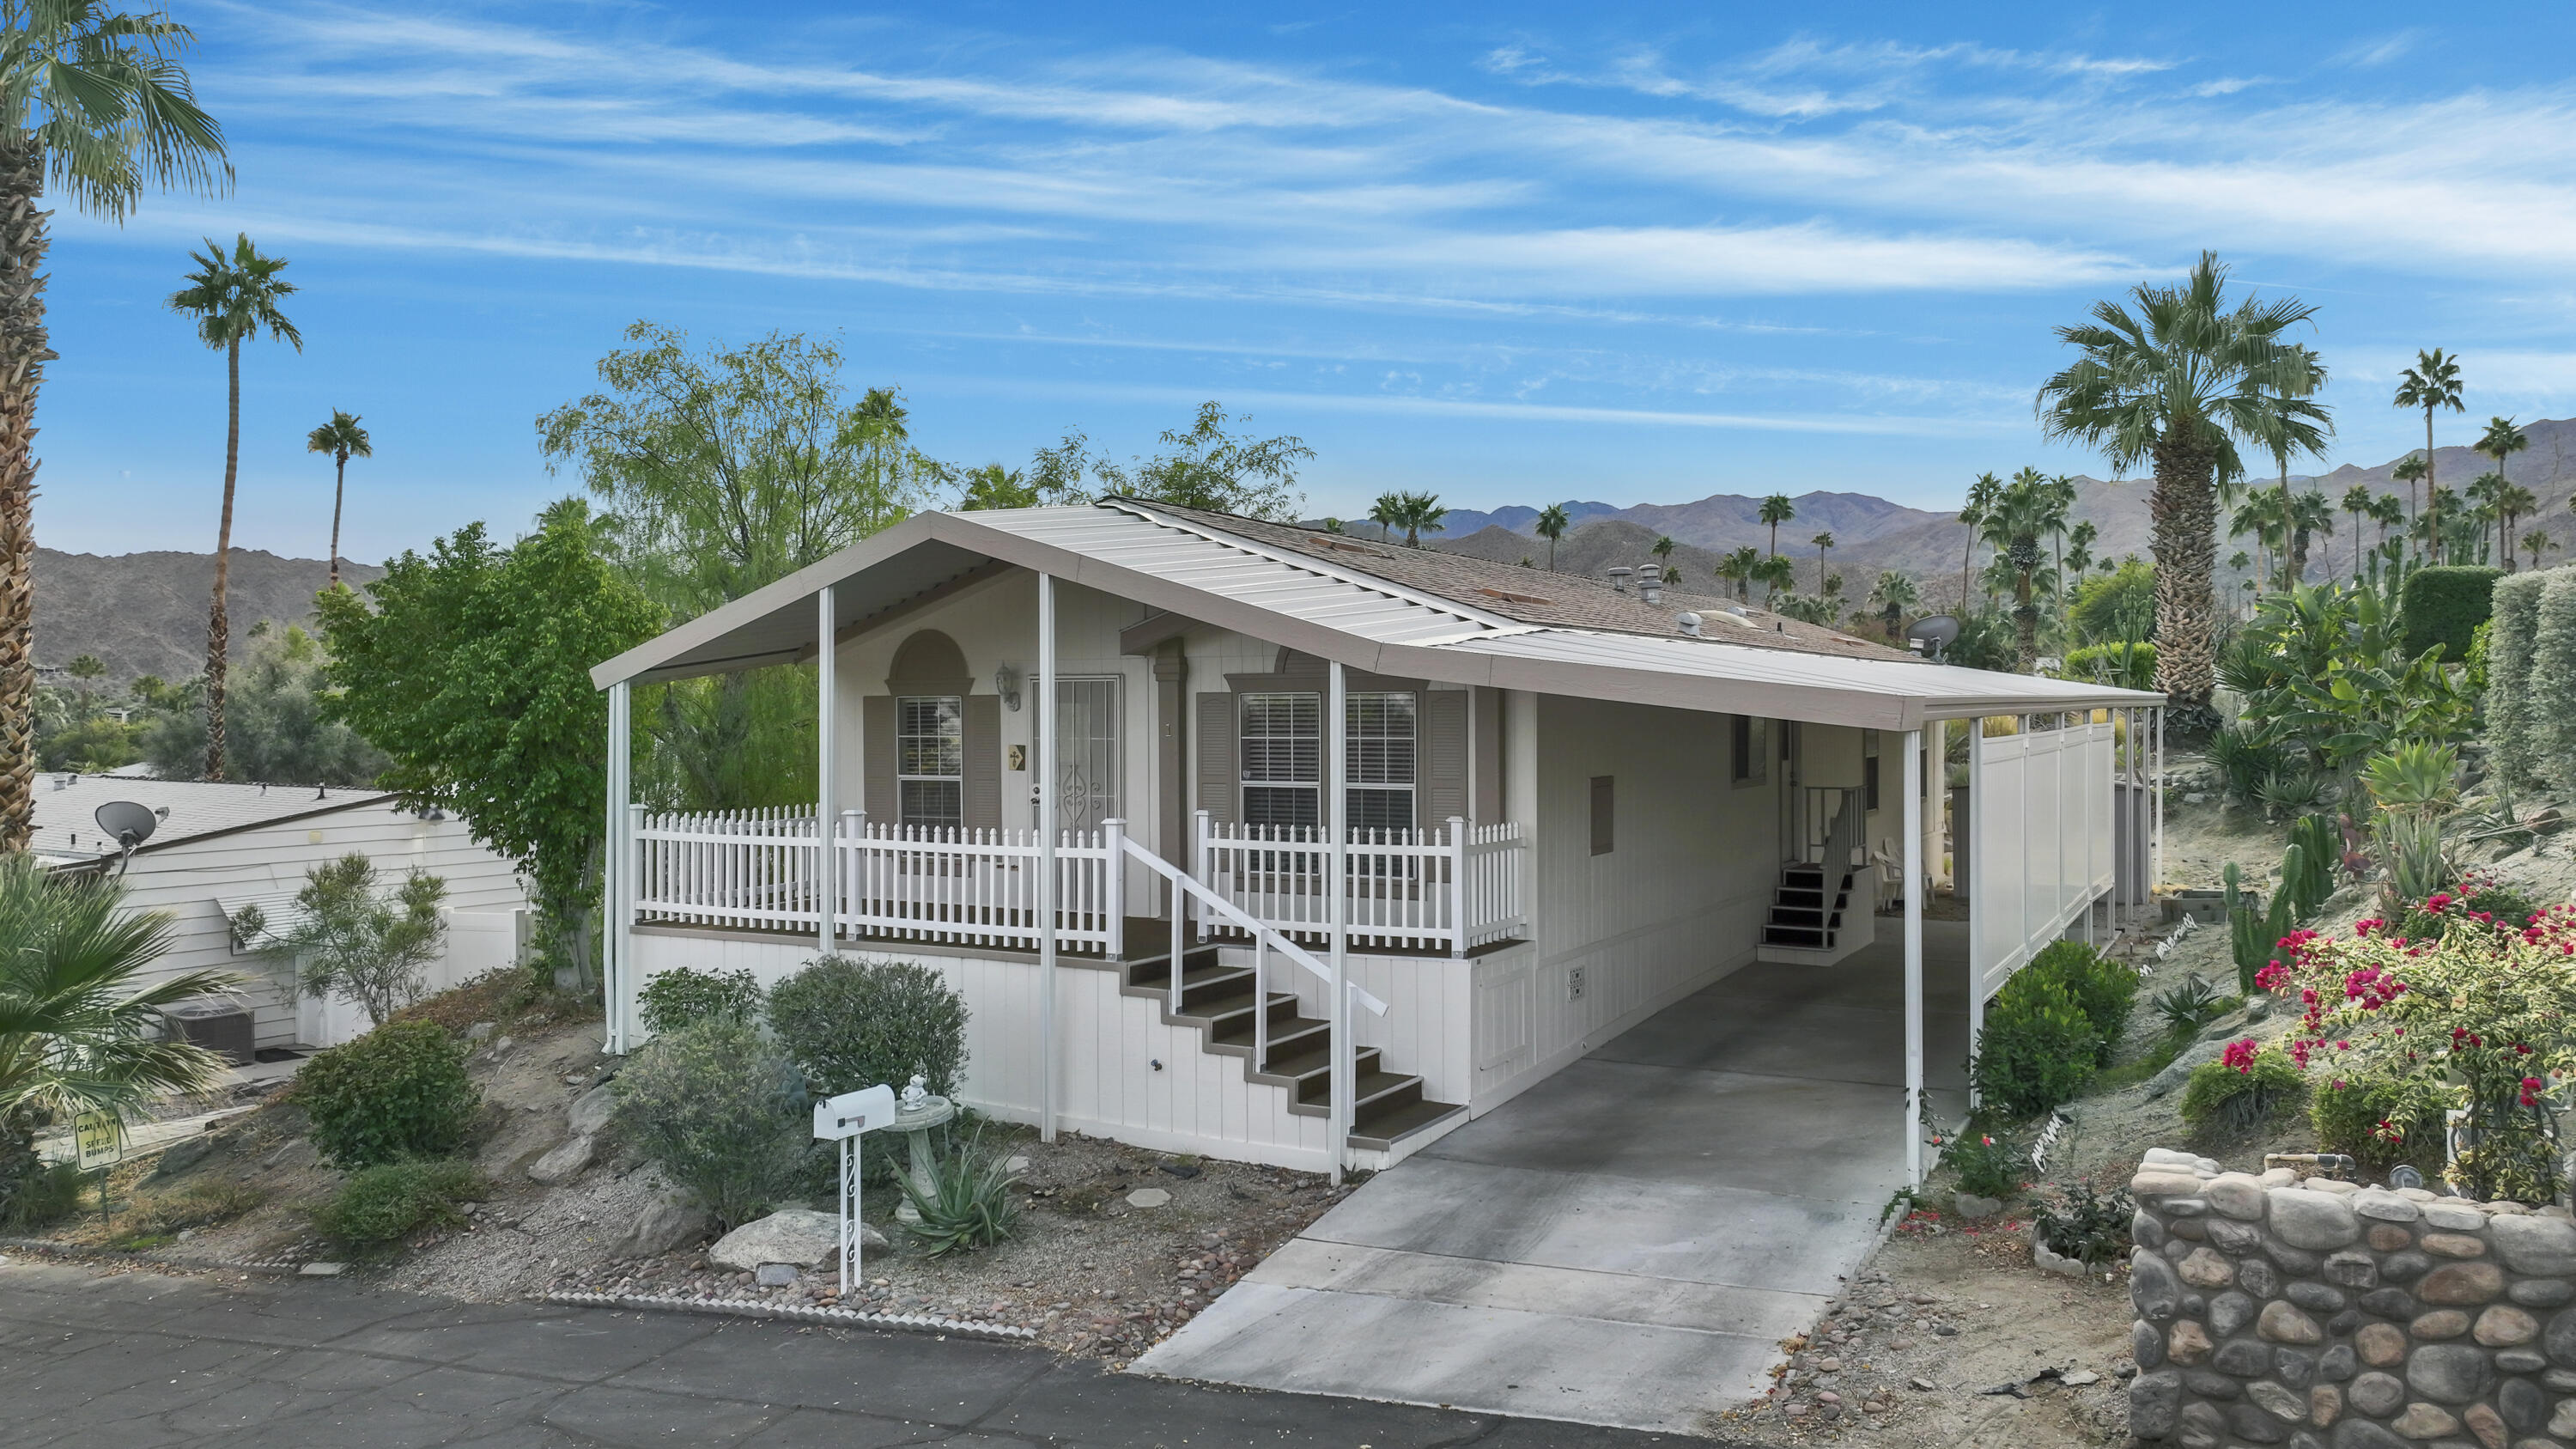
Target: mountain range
1872,534
145,613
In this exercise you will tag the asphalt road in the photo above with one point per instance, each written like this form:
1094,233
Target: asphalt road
107,1361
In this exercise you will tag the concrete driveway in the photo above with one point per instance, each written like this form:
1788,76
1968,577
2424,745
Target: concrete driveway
1626,1242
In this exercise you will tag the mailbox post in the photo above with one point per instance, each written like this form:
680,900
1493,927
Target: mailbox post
841,1119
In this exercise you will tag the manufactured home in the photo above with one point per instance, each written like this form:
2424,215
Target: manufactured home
1274,844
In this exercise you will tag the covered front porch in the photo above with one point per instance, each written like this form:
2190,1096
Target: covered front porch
1626,1242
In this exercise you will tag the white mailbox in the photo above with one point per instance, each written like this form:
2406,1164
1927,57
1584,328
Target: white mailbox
841,1119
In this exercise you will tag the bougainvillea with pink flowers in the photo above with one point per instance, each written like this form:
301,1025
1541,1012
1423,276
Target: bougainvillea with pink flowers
2482,1016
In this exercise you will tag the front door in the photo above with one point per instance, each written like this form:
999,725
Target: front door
1086,752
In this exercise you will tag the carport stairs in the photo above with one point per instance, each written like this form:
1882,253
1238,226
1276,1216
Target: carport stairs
1217,998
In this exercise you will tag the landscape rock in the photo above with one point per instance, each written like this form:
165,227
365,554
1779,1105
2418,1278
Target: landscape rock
1974,1208
590,1111
2377,1394
791,1235
2535,1245
2306,1219
182,1155
565,1162
2452,1373
672,1222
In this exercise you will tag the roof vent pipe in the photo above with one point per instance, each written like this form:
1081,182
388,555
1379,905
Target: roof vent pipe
1650,584
1619,578
1689,624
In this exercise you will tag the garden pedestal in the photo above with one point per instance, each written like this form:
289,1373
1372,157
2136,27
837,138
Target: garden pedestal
914,1121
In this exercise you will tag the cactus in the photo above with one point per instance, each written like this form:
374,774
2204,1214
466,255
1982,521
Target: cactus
2244,934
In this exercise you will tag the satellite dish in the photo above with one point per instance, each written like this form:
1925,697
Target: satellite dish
1937,631
127,823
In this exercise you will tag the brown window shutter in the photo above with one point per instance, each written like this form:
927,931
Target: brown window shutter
1444,757
1605,836
1220,784
876,761
979,729
1487,761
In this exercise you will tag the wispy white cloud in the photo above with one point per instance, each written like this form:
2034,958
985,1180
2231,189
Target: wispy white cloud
2377,50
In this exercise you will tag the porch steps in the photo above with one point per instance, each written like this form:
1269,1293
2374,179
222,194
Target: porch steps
1218,1000
1807,912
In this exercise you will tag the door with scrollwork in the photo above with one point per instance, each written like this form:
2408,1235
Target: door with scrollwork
1086,752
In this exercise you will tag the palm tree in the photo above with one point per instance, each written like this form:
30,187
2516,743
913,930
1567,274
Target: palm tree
2180,382
2536,543
1739,569
1981,496
1894,594
2433,382
2310,514
2483,494
2259,515
2388,512
2516,501
2409,470
343,439
233,299
994,486
1420,513
2356,501
1777,576
1551,526
2500,441
81,1014
1777,510
2027,508
1824,543
100,108
1387,512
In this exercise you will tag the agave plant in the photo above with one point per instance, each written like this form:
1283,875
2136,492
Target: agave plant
2288,790
968,1205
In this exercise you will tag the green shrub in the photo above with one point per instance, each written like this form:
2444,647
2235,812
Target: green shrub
2127,666
2245,762
683,996
2347,1114
2079,1223
2222,1095
1987,1165
2038,1048
392,1199
2444,604
850,1024
2103,989
969,1205
399,1091
48,1194
2513,704
722,1110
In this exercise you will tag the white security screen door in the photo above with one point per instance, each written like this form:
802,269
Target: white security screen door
1086,751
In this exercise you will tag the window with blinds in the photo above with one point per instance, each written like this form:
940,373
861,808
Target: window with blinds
1283,759
930,760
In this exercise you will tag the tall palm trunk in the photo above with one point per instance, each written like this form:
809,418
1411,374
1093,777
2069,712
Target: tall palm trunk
23,355
339,485
2025,622
2184,516
218,625
1967,564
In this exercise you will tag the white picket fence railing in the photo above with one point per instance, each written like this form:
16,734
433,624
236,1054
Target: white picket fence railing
1451,888
1448,889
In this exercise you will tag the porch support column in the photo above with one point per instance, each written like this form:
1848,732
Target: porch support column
1978,865
1042,770
617,865
1337,897
1914,956
827,802
2156,786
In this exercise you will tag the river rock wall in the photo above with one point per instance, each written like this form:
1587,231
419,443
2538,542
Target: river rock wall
2325,1315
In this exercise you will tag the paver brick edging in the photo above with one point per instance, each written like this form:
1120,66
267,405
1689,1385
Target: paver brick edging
754,1308
81,1253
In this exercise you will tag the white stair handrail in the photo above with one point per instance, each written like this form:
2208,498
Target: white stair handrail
1260,932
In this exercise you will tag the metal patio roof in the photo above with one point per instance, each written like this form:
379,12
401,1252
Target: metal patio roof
1192,567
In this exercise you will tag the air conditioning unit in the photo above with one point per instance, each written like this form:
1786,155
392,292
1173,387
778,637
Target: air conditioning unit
219,1024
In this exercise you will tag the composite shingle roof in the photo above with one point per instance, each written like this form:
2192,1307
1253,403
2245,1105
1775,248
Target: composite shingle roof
66,808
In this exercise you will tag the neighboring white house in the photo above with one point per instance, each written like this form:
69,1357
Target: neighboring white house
1564,802
220,847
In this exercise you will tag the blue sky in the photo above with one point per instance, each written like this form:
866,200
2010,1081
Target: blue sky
1507,253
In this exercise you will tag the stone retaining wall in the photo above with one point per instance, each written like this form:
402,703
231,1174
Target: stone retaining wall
2323,1315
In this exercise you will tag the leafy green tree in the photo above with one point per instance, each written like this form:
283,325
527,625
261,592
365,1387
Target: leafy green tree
1551,525
232,299
342,439
2180,382
81,1014
1204,466
350,940
2326,669
2120,607
470,668
99,107
1777,510
280,732
2433,382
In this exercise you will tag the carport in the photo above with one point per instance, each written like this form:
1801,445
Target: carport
1626,1242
